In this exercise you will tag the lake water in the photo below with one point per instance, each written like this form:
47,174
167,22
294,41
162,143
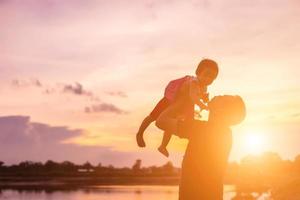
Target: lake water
105,193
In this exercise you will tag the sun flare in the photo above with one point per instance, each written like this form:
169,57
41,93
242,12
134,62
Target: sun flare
254,142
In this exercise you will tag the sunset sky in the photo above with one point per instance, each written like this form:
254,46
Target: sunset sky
78,77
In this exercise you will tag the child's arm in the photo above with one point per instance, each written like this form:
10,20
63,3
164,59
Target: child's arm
195,95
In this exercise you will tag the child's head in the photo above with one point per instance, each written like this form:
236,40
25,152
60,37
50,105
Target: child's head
207,71
227,110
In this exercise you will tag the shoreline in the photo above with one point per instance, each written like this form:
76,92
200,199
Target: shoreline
49,184
79,182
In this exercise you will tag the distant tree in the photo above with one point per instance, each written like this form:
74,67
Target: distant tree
153,169
168,167
111,167
25,164
271,163
250,160
87,165
137,165
68,166
297,160
51,166
37,166
1,166
26,167
271,157
287,166
297,164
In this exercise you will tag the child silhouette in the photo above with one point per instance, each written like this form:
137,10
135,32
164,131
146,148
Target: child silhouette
193,87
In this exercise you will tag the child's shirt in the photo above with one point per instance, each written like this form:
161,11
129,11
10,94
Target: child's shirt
185,85
187,88
173,86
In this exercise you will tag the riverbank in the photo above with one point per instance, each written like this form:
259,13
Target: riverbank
78,182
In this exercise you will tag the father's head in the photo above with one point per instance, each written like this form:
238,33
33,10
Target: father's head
227,110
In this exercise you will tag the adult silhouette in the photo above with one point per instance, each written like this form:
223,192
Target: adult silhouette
210,142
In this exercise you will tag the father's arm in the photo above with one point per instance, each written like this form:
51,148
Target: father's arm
168,120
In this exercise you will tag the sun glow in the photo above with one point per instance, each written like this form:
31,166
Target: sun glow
254,142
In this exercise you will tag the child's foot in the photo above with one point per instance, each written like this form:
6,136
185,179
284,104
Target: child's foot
163,150
140,140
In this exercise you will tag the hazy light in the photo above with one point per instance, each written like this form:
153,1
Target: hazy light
254,142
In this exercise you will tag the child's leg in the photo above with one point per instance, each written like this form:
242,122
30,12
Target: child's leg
165,141
161,106
139,136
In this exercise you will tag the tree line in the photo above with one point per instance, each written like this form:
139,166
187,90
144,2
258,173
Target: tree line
67,168
259,167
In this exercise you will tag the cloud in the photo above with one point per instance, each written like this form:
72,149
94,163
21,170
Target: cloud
76,89
117,93
49,91
21,139
20,130
104,107
26,83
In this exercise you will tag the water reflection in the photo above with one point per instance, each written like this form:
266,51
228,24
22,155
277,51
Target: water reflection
110,193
